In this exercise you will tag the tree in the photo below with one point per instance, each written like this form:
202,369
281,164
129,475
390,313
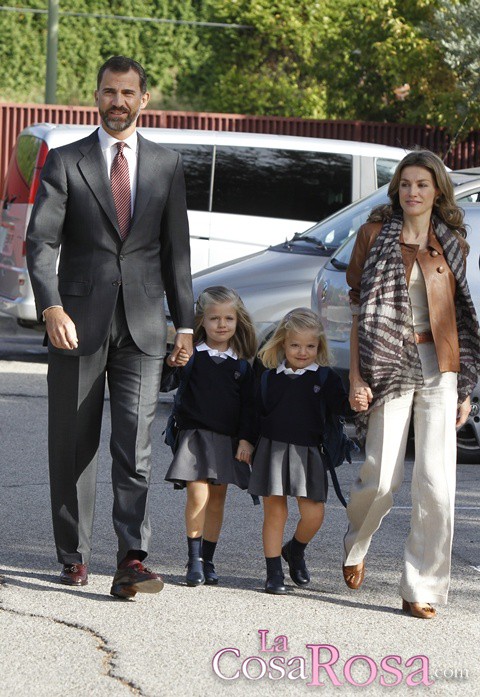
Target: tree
350,59
165,50
265,69
381,62
456,29
413,61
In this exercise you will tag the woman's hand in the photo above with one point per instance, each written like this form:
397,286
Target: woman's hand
463,411
244,451
360,395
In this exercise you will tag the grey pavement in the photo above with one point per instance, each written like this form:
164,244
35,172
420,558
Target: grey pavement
57,640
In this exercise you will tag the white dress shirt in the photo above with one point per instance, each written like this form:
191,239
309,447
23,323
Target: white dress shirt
108,145
282,368
229,353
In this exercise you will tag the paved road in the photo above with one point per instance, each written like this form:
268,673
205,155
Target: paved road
56,640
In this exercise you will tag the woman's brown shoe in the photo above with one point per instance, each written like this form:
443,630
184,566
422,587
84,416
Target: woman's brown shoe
423,611
354,575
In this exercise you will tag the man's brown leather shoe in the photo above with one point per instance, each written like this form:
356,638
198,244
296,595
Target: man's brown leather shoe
135,578
354,575
74,575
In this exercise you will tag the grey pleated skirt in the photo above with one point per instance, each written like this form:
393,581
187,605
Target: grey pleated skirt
283,469
205,455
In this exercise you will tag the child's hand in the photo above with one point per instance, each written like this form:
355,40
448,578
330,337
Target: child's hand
244,451
180,361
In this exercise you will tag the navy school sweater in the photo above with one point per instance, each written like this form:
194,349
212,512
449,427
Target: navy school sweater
219,398
292,411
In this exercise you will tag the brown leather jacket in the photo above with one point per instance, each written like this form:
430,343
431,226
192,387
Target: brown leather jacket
439,281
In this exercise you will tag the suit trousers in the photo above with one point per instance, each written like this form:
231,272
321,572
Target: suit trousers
426,570
76,387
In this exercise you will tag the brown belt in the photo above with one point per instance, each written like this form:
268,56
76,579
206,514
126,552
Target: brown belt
423,337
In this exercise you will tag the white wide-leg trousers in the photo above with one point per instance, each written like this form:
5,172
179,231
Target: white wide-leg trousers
426,572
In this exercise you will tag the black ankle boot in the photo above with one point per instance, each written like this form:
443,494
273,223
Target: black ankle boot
296,566
211,578
275,584
195,575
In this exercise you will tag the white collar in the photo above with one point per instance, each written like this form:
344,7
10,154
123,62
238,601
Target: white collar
282,368
107,141
214,352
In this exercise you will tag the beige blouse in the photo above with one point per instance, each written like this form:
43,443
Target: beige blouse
417,291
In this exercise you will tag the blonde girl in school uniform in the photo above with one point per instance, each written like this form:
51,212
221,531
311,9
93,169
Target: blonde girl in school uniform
287,460
216,418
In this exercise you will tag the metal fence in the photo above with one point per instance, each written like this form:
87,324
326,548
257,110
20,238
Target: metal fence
15,117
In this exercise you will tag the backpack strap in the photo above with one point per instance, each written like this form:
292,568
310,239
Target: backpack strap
263,386
243,366
335,482
322,374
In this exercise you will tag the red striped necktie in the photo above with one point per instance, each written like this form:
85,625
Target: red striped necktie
120,182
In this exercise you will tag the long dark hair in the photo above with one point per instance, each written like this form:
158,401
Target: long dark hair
445,206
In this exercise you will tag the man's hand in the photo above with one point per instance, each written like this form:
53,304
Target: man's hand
180,360
463,412
184,344
60,328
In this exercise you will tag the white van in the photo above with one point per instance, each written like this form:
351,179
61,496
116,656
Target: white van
245,192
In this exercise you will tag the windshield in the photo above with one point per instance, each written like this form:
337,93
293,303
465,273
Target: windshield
330,233
342,256
356,214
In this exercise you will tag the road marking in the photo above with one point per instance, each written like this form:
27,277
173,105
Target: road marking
457,508
477,568
23,368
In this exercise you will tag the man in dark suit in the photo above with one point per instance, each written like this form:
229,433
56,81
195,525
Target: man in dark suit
113,205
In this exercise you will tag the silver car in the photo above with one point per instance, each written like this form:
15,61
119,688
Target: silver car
276,280
330,300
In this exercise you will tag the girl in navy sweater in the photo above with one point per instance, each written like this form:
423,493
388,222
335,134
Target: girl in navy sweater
287,460
216,418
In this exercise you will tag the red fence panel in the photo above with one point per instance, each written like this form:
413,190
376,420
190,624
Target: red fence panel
15,117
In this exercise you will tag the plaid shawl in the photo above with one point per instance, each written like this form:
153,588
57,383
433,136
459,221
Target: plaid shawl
389,359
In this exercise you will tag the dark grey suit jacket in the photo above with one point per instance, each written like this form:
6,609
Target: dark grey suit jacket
74,211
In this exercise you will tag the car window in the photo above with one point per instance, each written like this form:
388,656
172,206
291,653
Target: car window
197,165
469,198
276,183
358,215
385,169
342,255
332,232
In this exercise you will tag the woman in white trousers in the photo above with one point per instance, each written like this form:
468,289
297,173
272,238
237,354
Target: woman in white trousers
415,350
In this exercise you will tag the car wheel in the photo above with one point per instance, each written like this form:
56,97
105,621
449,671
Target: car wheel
468,448
468,457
